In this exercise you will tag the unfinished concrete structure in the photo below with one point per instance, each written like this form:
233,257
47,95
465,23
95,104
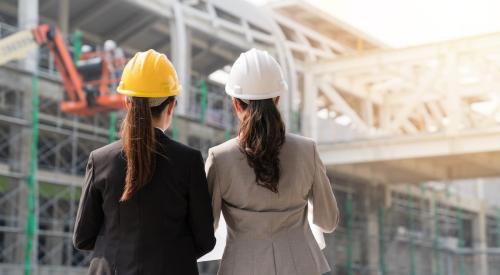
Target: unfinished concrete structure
392,149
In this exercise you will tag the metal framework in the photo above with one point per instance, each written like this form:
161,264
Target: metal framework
336,82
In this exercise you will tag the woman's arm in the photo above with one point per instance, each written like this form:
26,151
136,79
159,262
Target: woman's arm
90,216
200,210
325,210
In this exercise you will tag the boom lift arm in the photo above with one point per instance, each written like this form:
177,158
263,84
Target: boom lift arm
83,96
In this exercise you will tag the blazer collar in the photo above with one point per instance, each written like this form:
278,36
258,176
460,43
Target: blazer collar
159,133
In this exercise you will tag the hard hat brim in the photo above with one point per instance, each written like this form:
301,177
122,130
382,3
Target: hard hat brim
232,93
149,94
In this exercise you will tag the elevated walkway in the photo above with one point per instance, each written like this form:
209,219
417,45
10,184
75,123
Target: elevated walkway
414,159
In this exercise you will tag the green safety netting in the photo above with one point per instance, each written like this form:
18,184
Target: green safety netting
31,198
77,46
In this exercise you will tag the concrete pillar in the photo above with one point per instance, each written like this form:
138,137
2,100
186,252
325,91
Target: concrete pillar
480,241
27,18
310,108
181,56
63,16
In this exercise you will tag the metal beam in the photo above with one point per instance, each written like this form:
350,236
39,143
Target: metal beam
91,13
342,106
424,146
381,58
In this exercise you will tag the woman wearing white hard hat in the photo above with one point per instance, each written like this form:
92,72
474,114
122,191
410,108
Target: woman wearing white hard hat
263,180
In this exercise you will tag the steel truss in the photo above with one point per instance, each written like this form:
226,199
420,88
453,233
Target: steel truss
200,37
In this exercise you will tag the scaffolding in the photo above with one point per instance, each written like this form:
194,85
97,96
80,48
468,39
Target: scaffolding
385,229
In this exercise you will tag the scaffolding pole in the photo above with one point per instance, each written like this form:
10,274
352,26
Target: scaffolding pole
203,100
436,237
381,240
77,46
31,222
112,126
349,208
227,119
461,242
498,227
412,230
227,133
175,130
295,122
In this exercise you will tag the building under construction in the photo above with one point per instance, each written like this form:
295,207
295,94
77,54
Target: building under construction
410,137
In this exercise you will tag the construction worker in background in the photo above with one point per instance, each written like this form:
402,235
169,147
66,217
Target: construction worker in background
145,206
115,58
263,179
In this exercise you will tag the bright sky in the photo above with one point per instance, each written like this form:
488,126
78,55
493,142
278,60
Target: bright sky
400,23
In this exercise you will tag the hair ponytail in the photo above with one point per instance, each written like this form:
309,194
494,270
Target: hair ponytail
138,145
261,136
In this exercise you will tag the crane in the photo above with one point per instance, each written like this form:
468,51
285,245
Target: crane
88,84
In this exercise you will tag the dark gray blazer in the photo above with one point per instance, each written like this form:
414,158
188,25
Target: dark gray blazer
162,229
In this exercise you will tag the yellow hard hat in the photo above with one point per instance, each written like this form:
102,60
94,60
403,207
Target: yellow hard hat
149,74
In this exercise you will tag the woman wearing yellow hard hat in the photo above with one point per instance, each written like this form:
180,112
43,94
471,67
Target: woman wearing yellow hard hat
145,207
264,179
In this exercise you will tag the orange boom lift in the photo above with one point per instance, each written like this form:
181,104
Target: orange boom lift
89,84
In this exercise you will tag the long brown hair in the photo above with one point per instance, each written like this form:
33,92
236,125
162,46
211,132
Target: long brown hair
261,136
139,143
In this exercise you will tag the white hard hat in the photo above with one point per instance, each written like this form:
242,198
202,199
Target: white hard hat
255,75
86,48
109,45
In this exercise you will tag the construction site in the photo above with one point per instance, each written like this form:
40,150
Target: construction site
410,135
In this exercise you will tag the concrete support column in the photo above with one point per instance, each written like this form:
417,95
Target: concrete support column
64,16
27,18
310,108
181,55
27,14
480,241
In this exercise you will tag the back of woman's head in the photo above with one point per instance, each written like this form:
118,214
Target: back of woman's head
150,83
261,136
139,142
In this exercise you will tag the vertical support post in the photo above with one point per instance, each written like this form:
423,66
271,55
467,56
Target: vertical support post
27,14
349,210
309,112
498,227
31,221
112,126
28,18
367,112
461,239
370,254
227,118
295,128
77,46
437,247
203,100
63,11
381,239
481,258
74,146
181,55
175,130
412,231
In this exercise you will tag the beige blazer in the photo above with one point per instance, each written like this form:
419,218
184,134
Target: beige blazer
268,233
